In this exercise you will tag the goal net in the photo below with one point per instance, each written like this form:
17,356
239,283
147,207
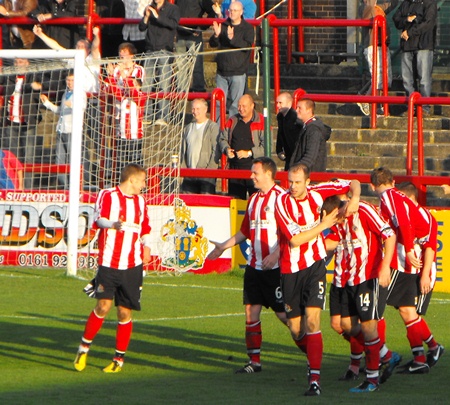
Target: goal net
69,125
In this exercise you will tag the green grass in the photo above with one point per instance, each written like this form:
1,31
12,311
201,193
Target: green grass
186,342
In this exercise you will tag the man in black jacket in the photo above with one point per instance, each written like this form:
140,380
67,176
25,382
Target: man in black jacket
288,128
161,22
417,20
188,36
311,149
232,67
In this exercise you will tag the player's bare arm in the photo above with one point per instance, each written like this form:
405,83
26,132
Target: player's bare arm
328,220
271,260
384,272
353,203
229,243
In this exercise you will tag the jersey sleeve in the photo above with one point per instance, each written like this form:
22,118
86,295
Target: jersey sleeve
287,225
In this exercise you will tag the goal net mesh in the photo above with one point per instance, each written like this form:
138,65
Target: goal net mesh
136,116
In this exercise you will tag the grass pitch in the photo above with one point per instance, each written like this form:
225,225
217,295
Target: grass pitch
186,343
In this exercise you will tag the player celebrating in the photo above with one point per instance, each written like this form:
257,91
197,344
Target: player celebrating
262,273
411,230
124,245
302,254
427,275
357,241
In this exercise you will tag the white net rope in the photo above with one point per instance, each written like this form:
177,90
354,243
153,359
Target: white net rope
136,116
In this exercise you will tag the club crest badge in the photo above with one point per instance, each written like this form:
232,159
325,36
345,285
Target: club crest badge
183,246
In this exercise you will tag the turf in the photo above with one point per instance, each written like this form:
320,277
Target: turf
187,341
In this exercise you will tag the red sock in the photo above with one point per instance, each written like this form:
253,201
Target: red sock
414,335
372,351
123,336
253,340
381,326
302,343
93,325
357,349
427,336
314,352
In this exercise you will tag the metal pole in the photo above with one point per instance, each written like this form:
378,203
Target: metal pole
266,90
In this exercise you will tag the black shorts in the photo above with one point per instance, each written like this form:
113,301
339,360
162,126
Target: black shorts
263,288
362,301
306,288
336,298
125,286
402,291
423,302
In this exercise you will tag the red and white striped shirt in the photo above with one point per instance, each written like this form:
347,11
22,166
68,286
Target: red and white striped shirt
432,239
409,225
359,253
294,216
15,113
260,227
121,249
132,109
121,75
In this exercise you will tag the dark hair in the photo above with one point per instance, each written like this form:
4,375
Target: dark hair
408,188
331,203
300,167
381,176
128,45
130,170
268,165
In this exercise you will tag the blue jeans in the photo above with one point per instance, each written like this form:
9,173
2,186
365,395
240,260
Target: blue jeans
158,78
423,61
233,87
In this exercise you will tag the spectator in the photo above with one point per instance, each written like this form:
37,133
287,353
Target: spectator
199,149
242,140
19,36
127,67
131,32
111,33
160,22
311,149
64,126
222,11
193,36
288,128
371,10
21,114
232,67
66,35
11,171
417,21
130,101
92,53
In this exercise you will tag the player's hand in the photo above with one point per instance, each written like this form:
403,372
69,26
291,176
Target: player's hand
384,276
146,255
330,219
217,28
271,261
413,260
117,225
425,284
216,252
